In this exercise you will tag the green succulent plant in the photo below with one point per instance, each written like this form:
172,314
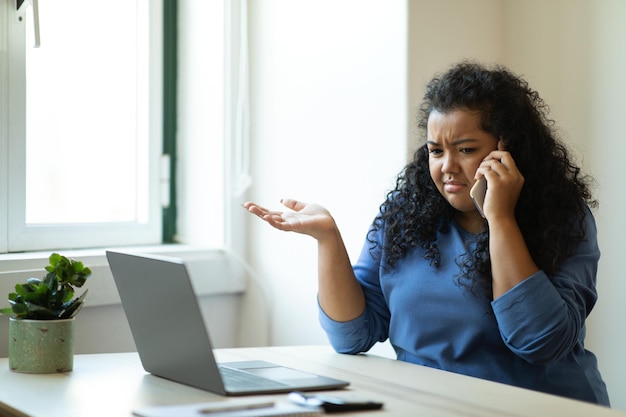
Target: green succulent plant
50,298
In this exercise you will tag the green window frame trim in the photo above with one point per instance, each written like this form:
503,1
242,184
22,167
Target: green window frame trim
170,110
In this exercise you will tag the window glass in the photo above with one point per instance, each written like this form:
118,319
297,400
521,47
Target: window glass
87,113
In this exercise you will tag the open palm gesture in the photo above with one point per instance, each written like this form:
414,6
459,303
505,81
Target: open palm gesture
309,219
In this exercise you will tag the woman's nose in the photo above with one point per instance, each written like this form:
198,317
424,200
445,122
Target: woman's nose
450,164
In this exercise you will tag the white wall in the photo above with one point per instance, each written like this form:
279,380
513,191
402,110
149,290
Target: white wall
606,144
553,55
328,116
444,32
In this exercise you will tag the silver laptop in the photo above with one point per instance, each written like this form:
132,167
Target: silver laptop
172,339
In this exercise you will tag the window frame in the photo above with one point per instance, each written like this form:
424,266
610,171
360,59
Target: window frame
223,264
231,220
4,133
170,114
17,236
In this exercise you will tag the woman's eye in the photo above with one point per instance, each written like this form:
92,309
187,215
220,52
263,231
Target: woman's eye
467,150
435,151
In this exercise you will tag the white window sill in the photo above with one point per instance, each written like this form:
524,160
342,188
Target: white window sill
212,271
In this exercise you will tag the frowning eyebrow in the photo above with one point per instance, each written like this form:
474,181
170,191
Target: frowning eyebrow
456,142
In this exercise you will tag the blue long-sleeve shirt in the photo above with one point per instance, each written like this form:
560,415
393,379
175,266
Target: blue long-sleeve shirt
532,336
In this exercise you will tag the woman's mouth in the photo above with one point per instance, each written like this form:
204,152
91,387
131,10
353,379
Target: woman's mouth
453,186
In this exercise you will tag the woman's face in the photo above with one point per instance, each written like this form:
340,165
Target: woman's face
456,147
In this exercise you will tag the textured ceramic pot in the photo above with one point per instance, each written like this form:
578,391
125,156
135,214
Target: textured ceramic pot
41,346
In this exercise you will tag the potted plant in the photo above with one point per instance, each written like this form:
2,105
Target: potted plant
41,327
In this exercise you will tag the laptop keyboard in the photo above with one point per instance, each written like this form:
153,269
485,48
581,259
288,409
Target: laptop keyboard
234,378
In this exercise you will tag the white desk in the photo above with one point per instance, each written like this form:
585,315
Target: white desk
114,384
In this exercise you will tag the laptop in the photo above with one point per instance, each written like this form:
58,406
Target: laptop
172,339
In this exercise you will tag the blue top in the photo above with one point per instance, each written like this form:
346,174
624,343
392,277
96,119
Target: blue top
532,336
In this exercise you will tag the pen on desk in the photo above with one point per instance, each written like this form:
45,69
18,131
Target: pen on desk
7,411
235,407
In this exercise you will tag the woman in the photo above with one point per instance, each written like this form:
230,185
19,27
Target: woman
504,297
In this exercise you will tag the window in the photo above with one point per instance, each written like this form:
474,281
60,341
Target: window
80,120
210,89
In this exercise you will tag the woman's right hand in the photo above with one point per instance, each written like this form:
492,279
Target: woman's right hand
305,218
340,295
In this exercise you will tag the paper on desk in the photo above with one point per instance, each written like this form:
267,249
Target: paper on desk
229,408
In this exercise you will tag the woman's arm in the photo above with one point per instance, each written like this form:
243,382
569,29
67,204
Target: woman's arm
542,318
340,294
511,262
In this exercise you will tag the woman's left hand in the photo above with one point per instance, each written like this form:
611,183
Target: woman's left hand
504,183
511,262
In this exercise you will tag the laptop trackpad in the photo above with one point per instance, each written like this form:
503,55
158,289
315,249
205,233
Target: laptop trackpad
269,370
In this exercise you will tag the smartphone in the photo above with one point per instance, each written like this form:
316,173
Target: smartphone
478,191
332,403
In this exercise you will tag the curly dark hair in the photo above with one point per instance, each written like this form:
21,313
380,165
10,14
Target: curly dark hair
553,202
